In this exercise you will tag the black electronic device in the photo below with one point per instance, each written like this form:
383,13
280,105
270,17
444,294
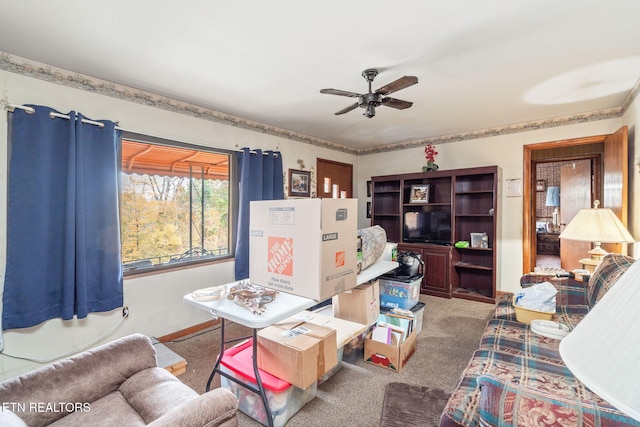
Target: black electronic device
427,227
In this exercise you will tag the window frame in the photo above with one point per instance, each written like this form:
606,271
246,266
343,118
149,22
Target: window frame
233,201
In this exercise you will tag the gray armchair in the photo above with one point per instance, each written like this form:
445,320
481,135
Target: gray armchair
116,384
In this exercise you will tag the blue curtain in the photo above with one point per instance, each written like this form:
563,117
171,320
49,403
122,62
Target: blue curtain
63,232
261,178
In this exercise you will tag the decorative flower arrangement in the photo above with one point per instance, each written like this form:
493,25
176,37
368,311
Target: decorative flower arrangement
430,155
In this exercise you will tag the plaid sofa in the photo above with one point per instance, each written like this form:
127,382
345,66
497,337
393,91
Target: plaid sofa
517,378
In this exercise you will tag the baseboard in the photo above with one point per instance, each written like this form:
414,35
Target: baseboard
190,330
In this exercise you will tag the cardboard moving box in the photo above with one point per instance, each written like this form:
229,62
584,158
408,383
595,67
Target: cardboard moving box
389,356
306,247
296,351
360,304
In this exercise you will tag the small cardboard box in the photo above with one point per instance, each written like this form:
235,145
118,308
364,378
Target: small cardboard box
296,351
360,304
306,247
388,356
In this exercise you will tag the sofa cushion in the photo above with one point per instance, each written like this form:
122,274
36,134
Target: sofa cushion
463,405
606,274
112,410
518,338
83,378
153,392
507,404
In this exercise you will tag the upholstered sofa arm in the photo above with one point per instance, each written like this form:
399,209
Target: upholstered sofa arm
509,404
217,407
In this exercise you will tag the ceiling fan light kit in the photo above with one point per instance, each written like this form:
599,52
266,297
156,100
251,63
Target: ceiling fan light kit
369,101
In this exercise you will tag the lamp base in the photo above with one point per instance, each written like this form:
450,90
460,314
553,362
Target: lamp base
597,253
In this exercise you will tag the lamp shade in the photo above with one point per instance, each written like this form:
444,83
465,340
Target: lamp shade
553,196
602,350
596,225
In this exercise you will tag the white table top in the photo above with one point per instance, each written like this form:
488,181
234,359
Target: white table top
375,270
285,305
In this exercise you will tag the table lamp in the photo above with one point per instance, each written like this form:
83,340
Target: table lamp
553,199
598,226
602,350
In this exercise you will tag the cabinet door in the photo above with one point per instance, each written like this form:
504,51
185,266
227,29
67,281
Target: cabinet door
437,265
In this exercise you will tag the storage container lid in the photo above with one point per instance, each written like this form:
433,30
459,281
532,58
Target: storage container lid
239,359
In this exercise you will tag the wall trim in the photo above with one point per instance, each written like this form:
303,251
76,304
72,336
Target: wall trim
29,68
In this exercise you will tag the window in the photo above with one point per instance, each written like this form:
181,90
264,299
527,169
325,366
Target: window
175,204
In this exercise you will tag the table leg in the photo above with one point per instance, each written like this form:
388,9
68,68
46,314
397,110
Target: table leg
220,354
256,371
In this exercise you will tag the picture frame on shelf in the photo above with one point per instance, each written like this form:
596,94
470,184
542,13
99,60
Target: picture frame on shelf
541,185
419,194
299,183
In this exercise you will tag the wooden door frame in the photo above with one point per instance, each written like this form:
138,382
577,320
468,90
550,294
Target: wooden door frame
529,190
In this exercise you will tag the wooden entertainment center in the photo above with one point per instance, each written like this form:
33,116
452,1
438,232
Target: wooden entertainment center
428,212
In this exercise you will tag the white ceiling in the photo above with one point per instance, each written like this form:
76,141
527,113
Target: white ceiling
480,64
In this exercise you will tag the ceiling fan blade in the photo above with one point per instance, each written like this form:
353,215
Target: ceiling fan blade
396,103
395,86
346,110
340,92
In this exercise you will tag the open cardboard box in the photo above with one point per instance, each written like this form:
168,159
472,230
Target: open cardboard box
389,356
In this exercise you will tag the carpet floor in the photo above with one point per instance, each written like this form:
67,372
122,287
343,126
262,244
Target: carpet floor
354,396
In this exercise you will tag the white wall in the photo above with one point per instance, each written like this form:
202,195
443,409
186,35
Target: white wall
506,151
155,301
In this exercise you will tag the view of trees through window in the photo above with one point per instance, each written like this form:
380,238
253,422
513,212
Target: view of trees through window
174,205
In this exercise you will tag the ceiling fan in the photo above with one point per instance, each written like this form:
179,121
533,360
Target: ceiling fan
369,101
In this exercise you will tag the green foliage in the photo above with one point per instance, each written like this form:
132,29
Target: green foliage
155,221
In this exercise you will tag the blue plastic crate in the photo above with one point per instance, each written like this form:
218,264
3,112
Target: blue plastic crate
396,294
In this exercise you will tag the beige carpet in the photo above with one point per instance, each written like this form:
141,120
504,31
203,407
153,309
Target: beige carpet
354,395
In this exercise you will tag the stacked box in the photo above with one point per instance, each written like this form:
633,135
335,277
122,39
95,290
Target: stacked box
297,351
284,399
360,304
305,247
349,335
397,294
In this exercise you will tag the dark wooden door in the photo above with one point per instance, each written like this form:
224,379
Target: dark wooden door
340,174
616,180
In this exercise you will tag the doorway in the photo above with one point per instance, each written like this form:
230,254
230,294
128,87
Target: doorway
609,182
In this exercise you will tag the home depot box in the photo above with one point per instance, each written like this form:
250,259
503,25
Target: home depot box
360,304
296,351
305,247
389,356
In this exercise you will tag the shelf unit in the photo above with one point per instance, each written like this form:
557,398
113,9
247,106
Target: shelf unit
469,198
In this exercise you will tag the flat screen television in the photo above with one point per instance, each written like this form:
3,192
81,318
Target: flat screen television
427,227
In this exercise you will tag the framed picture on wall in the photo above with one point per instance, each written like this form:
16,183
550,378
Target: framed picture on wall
419,194
299,183
540,185
368,209
369,187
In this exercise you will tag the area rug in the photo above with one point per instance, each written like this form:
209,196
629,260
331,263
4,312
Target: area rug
412,405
